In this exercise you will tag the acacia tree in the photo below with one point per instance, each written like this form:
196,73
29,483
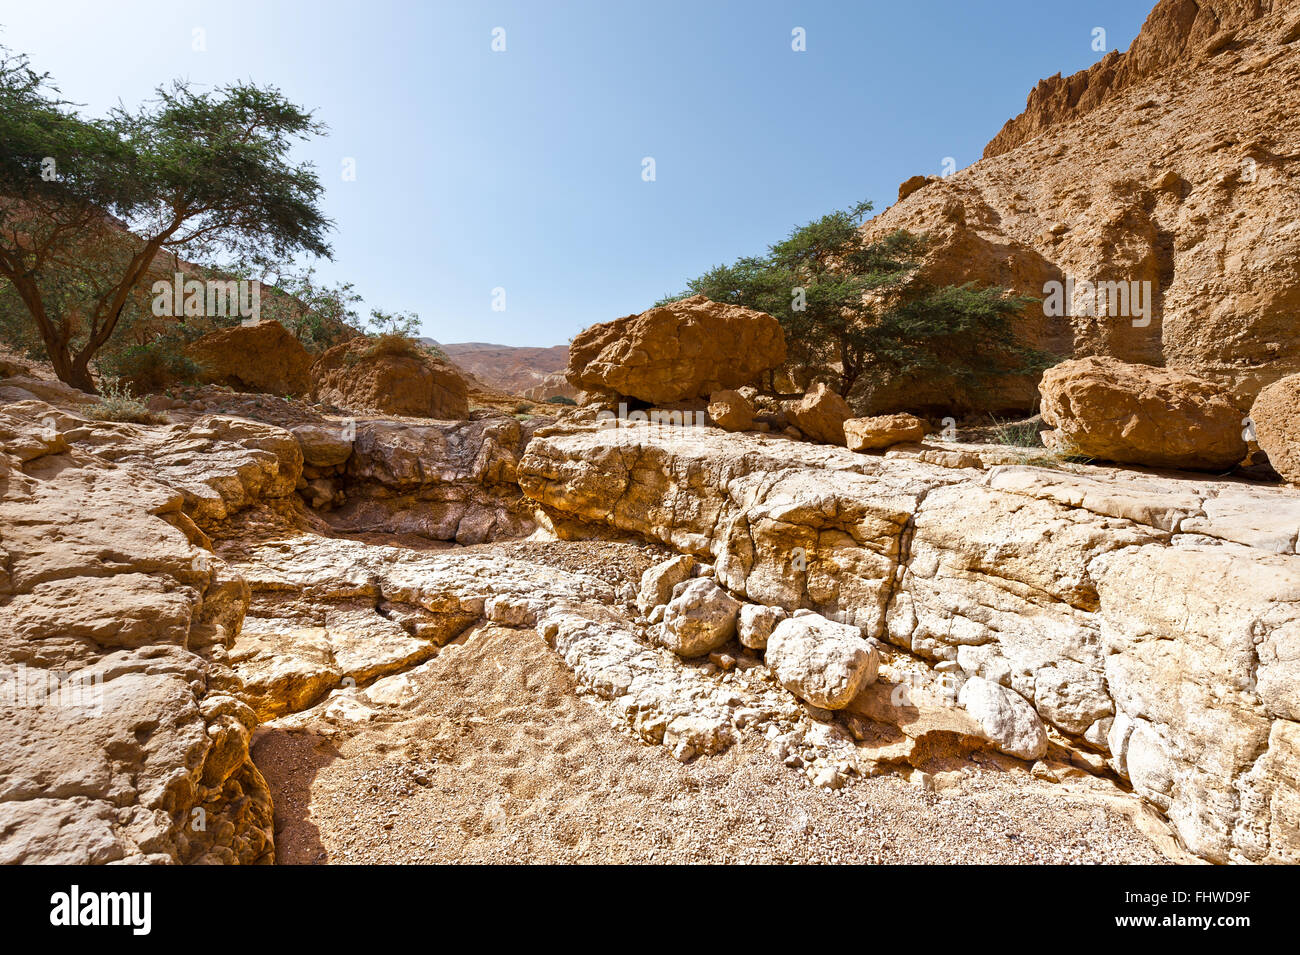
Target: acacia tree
850,316
91,208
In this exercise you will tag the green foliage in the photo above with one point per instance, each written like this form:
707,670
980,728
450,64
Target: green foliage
851,317
561,400
405,324
96,209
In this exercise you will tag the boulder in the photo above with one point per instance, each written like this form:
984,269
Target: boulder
701,618
883,431
657,582
820,414
323,446
1008,721
685,349
1109,410
391,375
730,411
756,623
262,357
1276,414
820,661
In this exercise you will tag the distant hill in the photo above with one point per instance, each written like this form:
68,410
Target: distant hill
536,373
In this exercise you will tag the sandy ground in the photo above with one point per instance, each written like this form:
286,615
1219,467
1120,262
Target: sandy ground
500,760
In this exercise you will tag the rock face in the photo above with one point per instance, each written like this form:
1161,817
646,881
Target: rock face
1163,609
1143,168
821,661
126,738
390,376
686,349
731,411
699,619
883,431
1106,409
1276,414
820,414
258,357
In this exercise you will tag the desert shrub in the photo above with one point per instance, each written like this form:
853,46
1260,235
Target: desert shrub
561,400
117,403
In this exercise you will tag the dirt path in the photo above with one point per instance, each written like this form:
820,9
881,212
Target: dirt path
498,759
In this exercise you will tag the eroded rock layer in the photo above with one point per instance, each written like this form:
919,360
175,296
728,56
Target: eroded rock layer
1153,618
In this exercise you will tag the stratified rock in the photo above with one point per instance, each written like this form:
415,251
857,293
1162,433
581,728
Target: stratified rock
258,357
883,431
657,582
756,623
1276,414
685,349
820,414
701,618
1106,409
1008,721
1177,595
390,375
730,411
821,661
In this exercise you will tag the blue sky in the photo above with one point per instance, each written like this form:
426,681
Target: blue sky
522,169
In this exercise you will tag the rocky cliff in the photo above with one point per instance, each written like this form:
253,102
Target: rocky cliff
1170,169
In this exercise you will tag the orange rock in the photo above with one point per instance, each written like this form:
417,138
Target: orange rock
1276,414
259,357
820,414
1106,409
391,375
685,349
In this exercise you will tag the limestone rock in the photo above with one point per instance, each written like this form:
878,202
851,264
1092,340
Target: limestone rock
756,623
821,661
883,431
685,349
699,619
820,414
730,411
390,375
1106,409
323,445
657,582
258,357
1276,414
1007,720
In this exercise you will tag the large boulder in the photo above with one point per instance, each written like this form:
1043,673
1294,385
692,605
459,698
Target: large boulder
685,349
1276,414
821,661
1110,410
391,375
883,431
259,357
1008,721
701,618
820,414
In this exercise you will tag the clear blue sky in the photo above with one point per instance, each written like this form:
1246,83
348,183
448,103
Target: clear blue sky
523,169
